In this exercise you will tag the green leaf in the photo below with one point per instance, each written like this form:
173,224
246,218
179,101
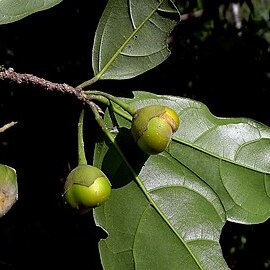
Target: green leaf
14,10
235,152
8,188
131,38
167,211
175,224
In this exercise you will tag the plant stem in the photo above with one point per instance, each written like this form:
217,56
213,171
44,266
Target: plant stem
81,153
88,83
7,126
107,102
11,76
114,99
107,132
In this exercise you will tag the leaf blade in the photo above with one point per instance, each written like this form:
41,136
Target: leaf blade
210,141
130,39
231,173
14,10
137,221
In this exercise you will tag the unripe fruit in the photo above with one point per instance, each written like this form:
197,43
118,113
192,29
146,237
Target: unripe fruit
152,128
8,188
86,187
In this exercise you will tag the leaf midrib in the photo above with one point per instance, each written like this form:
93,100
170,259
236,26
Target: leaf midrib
153,203
118,52
212,154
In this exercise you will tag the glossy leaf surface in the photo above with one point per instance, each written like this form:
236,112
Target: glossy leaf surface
14,10
167,211
175,225
131,38
235,151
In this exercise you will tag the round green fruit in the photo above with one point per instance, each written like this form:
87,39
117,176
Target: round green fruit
152,128
86,187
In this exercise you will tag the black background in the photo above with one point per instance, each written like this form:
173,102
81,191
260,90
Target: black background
226,72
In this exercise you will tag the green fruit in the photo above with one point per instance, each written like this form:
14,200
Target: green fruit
8,188
86,187
152,128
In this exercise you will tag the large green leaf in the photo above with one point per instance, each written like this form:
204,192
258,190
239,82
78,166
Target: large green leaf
174,224
14,10
131,38
167,212
235,151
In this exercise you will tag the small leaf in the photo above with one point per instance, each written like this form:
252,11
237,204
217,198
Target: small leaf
14,10
131,38
8,188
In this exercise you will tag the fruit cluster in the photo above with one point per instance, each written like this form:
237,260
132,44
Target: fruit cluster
152,128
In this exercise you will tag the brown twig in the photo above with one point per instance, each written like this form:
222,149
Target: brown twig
12,76
7,126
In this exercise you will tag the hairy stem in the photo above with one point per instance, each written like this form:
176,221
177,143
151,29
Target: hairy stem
30,79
